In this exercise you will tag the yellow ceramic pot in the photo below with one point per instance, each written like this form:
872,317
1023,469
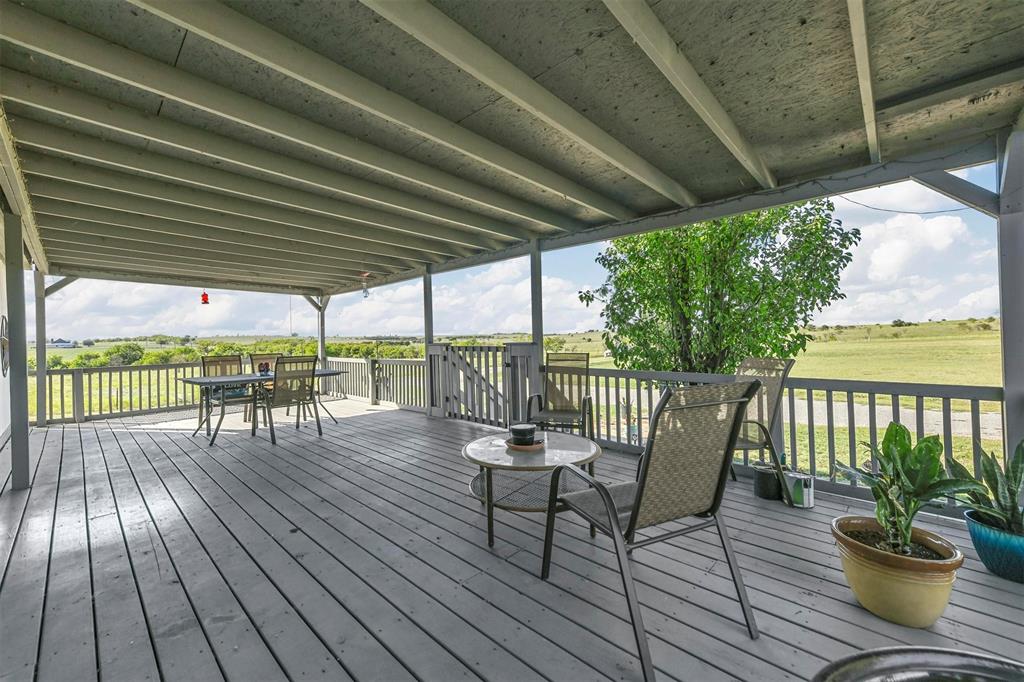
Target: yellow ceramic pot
905,590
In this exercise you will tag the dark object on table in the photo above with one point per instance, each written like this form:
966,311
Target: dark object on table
681,475
535,446
920,663
766,483
523,434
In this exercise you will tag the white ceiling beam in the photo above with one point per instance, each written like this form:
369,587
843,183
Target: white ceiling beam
234,31
66,239
862,56
958,189
12,184
68,102
93,150
945,91
189,205
42,35
154,227
193,281
58,285
653,38
437,31
183,266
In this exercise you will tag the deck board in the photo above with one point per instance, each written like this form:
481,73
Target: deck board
143,553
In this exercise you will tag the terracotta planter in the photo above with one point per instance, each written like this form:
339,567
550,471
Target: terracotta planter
905,590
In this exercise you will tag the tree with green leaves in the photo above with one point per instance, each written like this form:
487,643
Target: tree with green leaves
702,297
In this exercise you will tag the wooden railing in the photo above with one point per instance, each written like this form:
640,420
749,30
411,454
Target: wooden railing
103,392
822,421
397,381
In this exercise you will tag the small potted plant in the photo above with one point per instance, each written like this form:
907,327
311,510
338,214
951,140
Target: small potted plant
996,518
901,573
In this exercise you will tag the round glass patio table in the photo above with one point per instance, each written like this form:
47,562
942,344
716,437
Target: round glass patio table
520,481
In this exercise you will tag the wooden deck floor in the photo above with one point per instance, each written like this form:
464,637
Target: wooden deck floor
141,553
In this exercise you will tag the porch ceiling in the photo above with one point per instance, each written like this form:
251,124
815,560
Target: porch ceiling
296,146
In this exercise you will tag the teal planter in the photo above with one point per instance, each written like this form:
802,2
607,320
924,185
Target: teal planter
1001,552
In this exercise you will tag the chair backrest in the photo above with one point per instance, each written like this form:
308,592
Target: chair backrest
689,449
565,390
293,379
221,365
772,373
257,359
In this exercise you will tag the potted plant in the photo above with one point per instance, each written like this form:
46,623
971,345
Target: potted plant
898,572
996,518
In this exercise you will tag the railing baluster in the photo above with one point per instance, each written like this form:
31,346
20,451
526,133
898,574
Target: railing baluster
919,416
812,454
872,430
830,429
976,448
895,407
851,426
792,429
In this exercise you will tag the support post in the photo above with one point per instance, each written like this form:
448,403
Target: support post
40,290
1010,236
321,339
537,314
429,378
14,254
371,372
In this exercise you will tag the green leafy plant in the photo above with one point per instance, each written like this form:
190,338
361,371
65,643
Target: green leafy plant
701,297
998,504
908,478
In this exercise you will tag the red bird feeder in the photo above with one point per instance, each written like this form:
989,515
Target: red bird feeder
205,298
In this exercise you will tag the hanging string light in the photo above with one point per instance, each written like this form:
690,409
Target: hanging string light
204,298
366,291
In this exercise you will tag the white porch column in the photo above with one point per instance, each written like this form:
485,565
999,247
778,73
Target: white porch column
428,309
321,341
537,314
39,280
1011,282
14,253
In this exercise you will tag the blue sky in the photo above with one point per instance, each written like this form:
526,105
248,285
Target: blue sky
926,258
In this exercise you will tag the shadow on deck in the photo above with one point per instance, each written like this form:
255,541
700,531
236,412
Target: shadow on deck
143,553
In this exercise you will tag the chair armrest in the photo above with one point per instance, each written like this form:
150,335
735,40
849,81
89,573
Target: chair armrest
602,491
529,405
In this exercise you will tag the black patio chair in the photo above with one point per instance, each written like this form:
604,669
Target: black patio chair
294,386
219,366
565,402
764,412
682,474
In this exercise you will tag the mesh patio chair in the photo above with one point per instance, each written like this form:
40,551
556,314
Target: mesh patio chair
267,360
681,474
219,366
565,402
294,386
763,412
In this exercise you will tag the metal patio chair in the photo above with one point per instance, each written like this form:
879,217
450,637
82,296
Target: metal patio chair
219,366
764,411
268,359
294,386
682,474
565,402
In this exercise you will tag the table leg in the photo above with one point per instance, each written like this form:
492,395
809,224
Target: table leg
203,414
489,500
324,408
219,422
209,409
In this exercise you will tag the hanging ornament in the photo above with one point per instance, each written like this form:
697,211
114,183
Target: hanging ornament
366,292
204,298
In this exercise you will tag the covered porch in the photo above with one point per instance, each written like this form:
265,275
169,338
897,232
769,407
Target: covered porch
349,145
144,553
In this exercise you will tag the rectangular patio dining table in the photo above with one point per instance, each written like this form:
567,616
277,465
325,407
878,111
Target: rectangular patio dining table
207,384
